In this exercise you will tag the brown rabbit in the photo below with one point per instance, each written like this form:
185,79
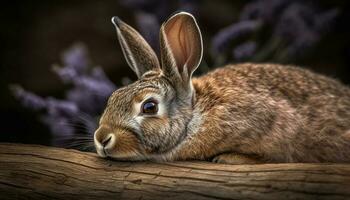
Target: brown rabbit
246,113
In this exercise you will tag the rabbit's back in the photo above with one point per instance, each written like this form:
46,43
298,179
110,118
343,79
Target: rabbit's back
288,82
284,113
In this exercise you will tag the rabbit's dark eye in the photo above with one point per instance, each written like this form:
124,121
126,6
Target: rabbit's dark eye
150,107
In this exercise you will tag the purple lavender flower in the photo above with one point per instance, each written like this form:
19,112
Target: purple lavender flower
91,86
301,26
60,127
90,92
244,51
284,29
58,112
28,99
326,19
84,102
97,87
263,10
76,57
61,108
224,37
296,21
66,74
98,74
88,102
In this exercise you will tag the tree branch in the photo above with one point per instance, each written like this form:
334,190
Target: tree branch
40,172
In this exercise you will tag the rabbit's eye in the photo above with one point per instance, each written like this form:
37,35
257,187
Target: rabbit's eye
150,107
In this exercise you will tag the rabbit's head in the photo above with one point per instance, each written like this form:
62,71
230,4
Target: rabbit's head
149,117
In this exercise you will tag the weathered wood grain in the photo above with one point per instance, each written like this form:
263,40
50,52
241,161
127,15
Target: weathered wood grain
40,172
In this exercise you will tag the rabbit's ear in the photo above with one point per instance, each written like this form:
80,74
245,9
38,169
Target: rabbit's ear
181,46
138,53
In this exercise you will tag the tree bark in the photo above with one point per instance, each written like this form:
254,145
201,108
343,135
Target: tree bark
40,172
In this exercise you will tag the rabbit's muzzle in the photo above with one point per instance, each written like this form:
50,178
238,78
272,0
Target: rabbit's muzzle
117,143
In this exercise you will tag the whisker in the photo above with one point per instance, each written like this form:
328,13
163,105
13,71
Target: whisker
89,122
81,145
74,125
82,139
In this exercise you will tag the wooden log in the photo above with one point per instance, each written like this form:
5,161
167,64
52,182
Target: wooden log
40,172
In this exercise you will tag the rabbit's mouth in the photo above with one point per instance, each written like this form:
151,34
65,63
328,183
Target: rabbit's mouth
120,156
119,144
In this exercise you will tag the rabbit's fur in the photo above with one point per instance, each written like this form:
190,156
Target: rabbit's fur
244,113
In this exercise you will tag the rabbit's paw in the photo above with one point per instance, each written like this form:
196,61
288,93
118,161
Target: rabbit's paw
235,159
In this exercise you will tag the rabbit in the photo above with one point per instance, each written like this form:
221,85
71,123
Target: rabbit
237,114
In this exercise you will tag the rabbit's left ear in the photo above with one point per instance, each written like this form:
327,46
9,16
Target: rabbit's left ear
137,52
181,46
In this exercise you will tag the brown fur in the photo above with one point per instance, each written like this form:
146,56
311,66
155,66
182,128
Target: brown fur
287,115
245,113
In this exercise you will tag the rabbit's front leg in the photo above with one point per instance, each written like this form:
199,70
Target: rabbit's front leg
235,159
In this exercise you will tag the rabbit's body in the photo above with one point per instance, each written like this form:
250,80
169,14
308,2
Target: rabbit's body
244,113
279,113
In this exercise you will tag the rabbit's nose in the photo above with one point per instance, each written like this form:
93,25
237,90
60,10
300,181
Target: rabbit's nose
106,140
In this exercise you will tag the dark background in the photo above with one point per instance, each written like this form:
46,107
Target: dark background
34,33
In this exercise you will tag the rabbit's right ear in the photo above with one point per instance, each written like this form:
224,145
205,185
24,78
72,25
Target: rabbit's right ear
181,47
137,52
